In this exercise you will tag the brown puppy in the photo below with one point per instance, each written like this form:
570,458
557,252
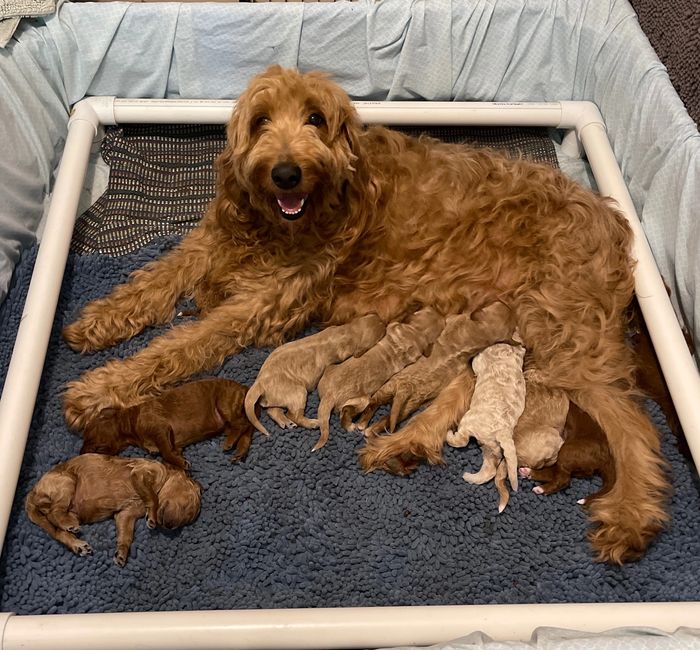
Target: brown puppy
94,487
464,336
348,386
316,218
178,417
585,452
292,370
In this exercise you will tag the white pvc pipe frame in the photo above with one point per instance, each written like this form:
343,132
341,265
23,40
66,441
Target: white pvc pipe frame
323,627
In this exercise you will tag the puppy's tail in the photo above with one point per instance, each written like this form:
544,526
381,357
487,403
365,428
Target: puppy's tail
325,408
251,399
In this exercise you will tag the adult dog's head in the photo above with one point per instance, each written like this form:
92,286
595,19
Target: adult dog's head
292,147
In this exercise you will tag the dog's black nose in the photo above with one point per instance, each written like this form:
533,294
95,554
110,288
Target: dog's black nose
286,175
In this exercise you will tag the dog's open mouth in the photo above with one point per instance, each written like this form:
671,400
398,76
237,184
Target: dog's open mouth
292,206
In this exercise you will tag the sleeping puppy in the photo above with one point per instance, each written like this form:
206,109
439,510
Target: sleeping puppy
348,386
293,369
94,487
176,418
585,452
464,336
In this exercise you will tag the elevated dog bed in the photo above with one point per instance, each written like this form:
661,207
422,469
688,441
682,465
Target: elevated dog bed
287,528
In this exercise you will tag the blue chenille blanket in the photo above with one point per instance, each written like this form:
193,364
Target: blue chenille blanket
291,528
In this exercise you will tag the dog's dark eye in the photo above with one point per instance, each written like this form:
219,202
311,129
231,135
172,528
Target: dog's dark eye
261,120
316,119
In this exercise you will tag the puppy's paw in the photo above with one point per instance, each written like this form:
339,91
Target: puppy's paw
82,548
538,489
524,472
120,557
150,520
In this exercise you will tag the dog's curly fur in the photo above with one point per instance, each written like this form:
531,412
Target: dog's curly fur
390,222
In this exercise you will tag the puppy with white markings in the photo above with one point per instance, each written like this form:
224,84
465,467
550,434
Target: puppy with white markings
294,369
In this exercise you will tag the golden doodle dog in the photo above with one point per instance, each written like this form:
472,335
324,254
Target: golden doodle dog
317,219
94,487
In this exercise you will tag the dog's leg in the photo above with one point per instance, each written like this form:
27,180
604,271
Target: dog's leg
553,479
143,478
424,435
184,350
147,298
280,418
239,434
631,513
366,415
125,521
69,540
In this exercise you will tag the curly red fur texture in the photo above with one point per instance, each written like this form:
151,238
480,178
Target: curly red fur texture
391,223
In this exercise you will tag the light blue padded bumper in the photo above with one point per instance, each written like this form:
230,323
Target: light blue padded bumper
511,50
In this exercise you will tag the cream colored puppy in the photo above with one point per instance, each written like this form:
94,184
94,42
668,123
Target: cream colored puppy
497,403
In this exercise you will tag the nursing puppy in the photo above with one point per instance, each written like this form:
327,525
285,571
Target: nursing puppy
178,417
538,434
292,370
94,487
585,452
464,335
347,387
497,403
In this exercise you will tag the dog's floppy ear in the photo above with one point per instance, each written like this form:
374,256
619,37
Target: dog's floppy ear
343,120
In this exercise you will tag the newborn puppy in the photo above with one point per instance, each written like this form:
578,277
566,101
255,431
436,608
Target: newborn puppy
178,417
464,335
538,433
585,452
348,386
93,487
293,369
497,403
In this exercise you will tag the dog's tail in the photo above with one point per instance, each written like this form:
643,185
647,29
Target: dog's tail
254,393
325,408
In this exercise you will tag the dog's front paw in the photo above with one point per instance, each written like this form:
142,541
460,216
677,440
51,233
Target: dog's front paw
87,334
81,547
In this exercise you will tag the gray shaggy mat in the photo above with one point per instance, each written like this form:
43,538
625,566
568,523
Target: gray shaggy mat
291,528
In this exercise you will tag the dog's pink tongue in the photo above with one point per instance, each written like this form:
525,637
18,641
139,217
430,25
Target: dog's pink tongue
291,203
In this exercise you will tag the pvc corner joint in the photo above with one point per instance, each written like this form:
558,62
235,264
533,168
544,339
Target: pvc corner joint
4,617
95,110
575,118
